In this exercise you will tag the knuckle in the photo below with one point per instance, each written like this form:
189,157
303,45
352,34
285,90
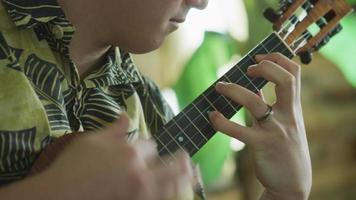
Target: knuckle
289,80
263,63
232,88
277,55
253,103
295,65
297,68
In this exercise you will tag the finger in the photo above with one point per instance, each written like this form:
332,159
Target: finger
282,60
146,150
262,96
120,127
168,179
197,178
230,128
243,97
285,81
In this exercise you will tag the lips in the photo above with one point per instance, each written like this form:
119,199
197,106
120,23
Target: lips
177,20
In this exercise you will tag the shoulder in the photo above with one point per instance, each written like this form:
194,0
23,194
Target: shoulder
155,93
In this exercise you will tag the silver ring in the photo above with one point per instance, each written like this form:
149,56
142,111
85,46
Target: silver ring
267,115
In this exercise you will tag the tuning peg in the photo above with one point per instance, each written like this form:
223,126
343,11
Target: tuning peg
322,43
306,57
336,30
271,15
285,4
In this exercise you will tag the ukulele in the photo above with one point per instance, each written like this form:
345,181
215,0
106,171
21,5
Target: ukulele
301,27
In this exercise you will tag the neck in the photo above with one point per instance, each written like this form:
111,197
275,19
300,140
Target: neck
86,55
86,48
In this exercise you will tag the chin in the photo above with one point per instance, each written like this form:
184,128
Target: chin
143,47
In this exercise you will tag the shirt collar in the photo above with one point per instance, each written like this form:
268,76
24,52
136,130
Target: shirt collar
118,69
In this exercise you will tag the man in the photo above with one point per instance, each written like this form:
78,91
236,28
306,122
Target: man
56,79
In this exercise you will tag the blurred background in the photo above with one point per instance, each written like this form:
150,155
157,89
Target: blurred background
212,41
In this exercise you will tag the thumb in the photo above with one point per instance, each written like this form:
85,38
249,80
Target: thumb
119,127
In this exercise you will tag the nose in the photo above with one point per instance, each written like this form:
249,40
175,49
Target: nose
199,4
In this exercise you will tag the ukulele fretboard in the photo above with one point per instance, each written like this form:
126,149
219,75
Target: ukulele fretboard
190,130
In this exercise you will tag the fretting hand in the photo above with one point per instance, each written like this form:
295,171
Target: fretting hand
277,136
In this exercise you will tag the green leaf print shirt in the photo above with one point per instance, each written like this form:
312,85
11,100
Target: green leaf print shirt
42,97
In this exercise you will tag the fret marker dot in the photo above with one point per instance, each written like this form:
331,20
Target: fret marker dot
180,139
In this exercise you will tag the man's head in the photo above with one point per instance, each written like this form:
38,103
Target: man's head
137,26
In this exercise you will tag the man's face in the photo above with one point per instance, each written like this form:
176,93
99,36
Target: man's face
140,26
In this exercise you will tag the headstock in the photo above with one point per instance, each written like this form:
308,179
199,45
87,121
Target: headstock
307,25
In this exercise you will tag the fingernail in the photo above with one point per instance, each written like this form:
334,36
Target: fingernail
252,67
197,177
209,113
220,85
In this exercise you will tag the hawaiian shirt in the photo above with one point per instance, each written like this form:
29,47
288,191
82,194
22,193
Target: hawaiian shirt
42,96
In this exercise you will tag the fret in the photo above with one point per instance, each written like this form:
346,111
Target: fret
250,82
189,127
281,48
162,147
198,120
172,146
206,99
242,65
187,134
203,104
209,130
232,104
185,141
260,49
182,120
219,102
164,138
181,139
278,48
174,140
202,114
271,42
265,48
201,111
